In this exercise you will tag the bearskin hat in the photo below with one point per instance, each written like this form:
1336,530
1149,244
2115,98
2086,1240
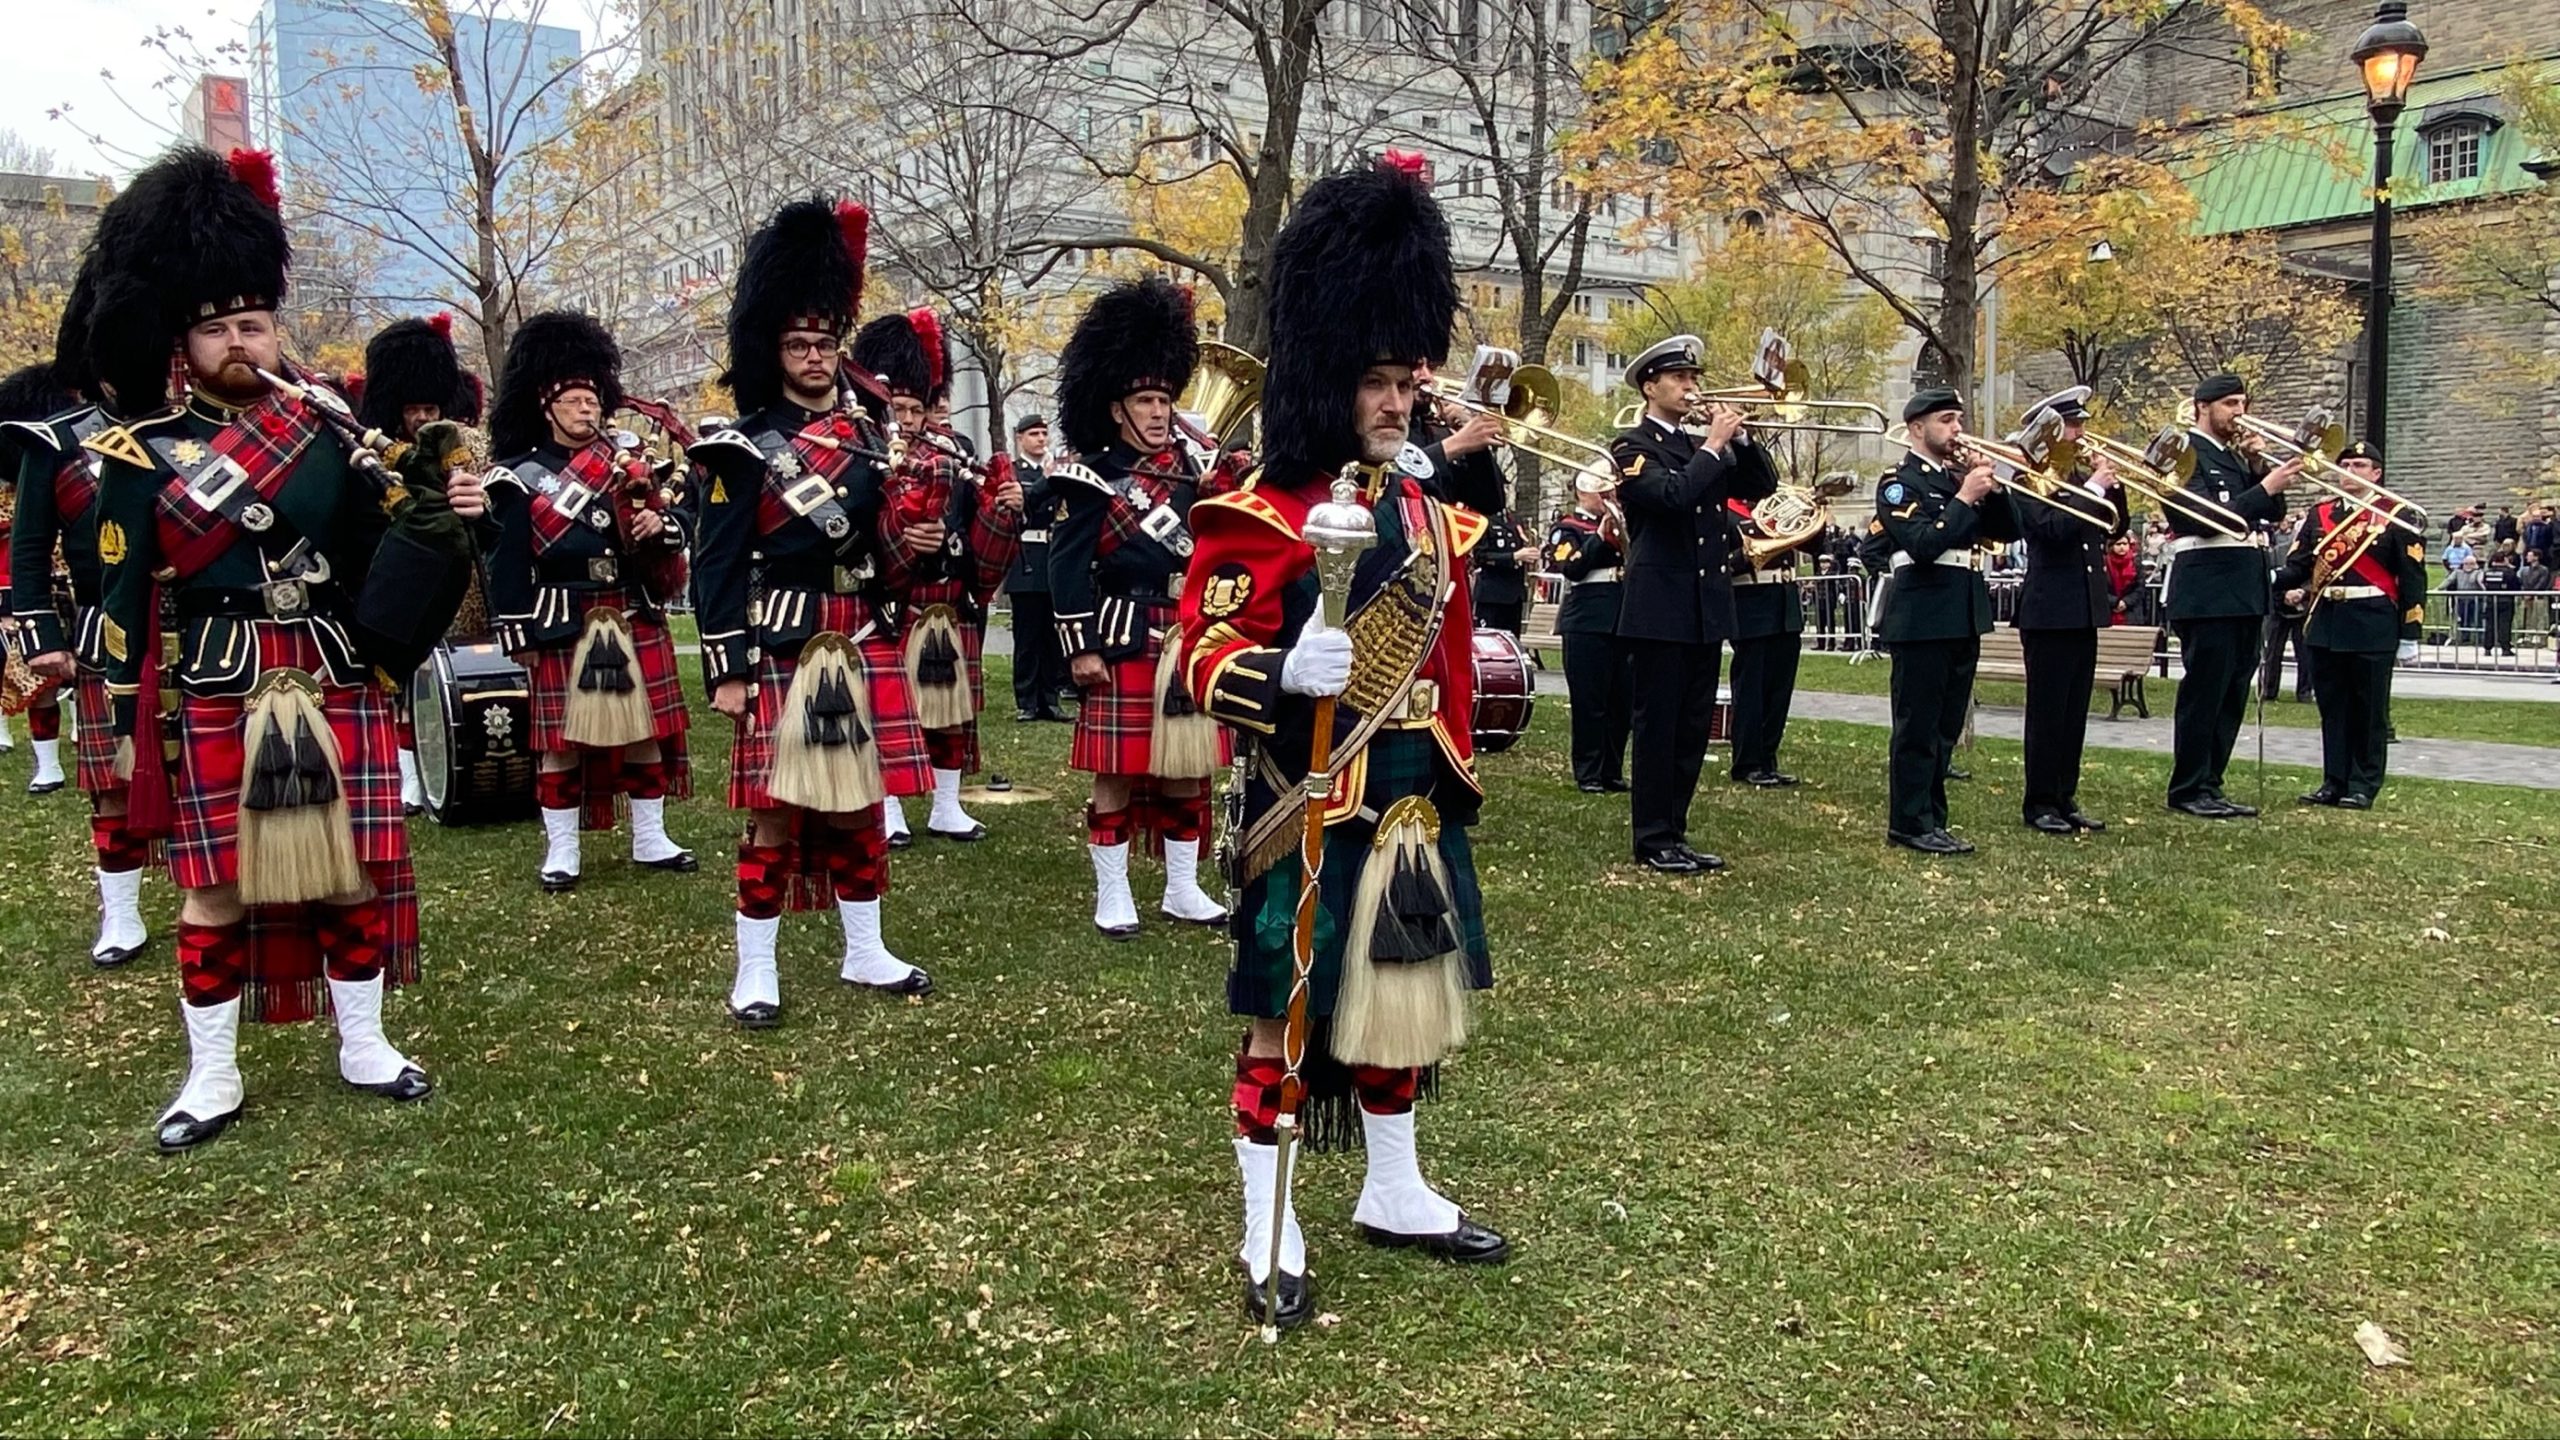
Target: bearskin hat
802,271
1135,336
554,351
907,352
409,362
203,232
72,368
1360,274
470,400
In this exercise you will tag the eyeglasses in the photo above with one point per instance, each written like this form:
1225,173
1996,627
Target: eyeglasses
796,347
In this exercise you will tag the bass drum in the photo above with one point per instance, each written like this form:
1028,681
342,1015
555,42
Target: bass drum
473,716
1506,691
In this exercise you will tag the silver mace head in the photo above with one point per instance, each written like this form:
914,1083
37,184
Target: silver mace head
1342,529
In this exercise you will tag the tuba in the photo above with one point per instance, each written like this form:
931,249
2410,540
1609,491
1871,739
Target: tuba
1225,392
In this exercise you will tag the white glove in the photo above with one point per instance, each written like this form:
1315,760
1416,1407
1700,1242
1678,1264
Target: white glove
1319,664
2408,651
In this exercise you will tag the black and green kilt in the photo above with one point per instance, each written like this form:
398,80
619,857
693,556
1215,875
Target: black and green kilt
1401,763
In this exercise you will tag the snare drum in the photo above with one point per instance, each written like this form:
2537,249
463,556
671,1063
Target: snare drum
474,719
1506,691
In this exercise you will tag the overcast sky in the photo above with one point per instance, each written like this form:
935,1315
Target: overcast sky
90,56
55,52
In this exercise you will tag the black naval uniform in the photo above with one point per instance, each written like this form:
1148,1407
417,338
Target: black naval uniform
1501,581
1677,610
2062,605
1039,671
1768,644
2355,630
1936,609
1599,678
1473,480
2217,603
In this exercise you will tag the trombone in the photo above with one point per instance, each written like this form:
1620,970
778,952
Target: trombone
1782,387
2316,442
2159,472
1528,417
2030,465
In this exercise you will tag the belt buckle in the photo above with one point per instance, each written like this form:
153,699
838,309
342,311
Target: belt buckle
808,493
1165,528
846,579
286,599
1423,701
603,569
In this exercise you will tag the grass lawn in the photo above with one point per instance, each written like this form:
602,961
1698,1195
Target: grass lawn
2123,1134
2517,722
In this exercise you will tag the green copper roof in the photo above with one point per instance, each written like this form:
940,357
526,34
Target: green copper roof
2314,162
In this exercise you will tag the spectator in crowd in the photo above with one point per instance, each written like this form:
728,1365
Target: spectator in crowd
2283,628
2463,580
2533,607
2506,529
2457,553
2124,581
1824,597
2540,533
2499,578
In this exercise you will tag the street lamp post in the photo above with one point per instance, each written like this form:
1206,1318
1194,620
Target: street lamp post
2388,53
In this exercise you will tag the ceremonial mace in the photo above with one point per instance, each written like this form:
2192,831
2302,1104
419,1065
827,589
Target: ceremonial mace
1342,530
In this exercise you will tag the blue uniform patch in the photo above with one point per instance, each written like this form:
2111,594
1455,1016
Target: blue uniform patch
1893,493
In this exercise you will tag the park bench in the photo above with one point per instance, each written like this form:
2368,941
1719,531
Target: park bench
2125,654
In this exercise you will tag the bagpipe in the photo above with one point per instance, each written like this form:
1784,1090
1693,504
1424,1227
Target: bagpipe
645,485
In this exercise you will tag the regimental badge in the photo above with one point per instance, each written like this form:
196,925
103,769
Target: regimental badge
1413,462
257,518
189,453
110,543
549,484
1226,592
787,465
597,517
1893,493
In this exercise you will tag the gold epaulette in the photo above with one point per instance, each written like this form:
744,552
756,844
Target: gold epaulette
1249,503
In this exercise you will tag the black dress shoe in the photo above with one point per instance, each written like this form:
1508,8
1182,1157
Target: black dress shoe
1956,844
1297,1301
1118,932
1469,1244
1935,842
2355,802
970,836
1710,864
2047,823
1026,717
2203,807
2082,820
116,956
558,882
185,1132
2325,795
680,863
904,839
758,1016
1955,774
1592,787
43,787
1767,779
410,1084
1673,861
916,983
999,782
411,812
1614,787
2234,810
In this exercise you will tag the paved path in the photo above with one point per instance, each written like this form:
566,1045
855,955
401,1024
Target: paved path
2532,766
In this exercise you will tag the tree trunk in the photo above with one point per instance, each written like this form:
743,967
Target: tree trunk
1290,58
1959,278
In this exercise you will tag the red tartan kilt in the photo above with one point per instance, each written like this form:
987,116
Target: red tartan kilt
93,737
549,675
903,767
205,850
1115,720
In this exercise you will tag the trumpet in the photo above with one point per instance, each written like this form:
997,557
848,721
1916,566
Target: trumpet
1528,417
2159,472
2316,442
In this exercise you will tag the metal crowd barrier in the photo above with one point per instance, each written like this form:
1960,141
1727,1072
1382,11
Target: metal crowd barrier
2490,631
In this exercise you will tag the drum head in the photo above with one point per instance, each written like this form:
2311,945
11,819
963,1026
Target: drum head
431,716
